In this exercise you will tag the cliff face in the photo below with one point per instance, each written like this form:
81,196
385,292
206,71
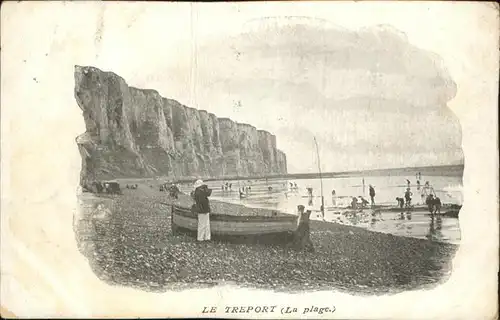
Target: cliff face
132,132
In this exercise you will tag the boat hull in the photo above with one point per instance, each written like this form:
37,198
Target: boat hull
227,225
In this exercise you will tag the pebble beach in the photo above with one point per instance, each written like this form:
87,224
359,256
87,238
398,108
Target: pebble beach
134,246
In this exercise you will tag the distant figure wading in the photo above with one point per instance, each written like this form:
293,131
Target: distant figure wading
202,206
372,194
408,195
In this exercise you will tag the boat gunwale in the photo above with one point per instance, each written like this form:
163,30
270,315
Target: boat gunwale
186,212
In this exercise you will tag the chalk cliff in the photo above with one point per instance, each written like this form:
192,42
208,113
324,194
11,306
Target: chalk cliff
134,132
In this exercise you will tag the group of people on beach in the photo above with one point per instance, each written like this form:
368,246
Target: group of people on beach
201,206
227,186
172,189
359,202
244,191
427,194
406,201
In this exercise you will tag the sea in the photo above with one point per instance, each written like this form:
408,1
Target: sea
285,195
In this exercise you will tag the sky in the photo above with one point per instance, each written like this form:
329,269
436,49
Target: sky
370,97
375,86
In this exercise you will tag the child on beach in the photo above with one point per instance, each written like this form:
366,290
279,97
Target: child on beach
334,198
363,202
408,195
400,201
354,203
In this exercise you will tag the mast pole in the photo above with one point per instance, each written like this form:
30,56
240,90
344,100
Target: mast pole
320,180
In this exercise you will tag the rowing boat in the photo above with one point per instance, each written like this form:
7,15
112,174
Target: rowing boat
229,225
447,210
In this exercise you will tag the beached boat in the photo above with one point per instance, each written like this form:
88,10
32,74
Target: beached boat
228,225
451,211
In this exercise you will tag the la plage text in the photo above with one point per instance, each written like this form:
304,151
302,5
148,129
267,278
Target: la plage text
270,309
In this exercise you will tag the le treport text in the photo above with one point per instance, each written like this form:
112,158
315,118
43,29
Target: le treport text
270,309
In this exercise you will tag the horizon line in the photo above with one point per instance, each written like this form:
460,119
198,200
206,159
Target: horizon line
386,168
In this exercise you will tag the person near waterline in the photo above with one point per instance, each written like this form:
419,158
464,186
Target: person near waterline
334,198
401,202
427,190
408,195
363,202
310,192
202,205
408,182
433,204
372,194
354,203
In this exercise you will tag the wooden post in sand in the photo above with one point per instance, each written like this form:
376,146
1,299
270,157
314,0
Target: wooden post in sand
172,225
302,239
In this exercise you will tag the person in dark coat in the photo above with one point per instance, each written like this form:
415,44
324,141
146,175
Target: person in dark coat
433,204
372,194
302,234
202,205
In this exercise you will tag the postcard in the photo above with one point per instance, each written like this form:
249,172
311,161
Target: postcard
285,160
